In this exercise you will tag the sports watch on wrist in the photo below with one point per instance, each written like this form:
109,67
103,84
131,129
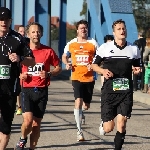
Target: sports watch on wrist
49,74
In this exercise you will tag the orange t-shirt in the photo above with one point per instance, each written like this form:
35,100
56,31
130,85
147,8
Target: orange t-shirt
81,55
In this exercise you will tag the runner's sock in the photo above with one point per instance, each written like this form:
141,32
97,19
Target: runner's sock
78,116
119,140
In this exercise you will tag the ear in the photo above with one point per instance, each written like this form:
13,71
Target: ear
113,33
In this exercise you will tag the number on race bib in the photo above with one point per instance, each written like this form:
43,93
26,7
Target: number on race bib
120,84
5,71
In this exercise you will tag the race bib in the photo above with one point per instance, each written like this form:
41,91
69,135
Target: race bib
120,84
34,71
82,60
5,71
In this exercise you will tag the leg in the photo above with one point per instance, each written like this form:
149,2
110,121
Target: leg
19,110
38,113
27,108
124,111
18,91
78,94
35,134
26,127
102,80
7,103
108,111
135,82
87,97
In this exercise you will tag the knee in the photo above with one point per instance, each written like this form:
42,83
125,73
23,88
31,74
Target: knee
27,122
121,125
108,127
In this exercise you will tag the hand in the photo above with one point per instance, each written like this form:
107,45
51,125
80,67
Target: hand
43,74
68,66
107,74
13,57
89,67
23,76
136,70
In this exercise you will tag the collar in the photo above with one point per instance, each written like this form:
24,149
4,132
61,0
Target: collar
120,47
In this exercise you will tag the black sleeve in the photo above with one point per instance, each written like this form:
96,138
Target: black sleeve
24,50
137,61
99,57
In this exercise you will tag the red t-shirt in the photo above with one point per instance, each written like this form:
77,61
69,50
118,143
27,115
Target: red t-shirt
44,57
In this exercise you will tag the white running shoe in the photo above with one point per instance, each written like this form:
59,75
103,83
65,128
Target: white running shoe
101,130
80,136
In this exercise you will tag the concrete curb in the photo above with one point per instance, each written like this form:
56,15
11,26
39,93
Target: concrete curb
137,96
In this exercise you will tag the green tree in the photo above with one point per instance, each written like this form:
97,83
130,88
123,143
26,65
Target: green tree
141,11
54,33
84,9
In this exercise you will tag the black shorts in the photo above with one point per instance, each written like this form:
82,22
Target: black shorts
34,100
113,104
83,90
18,87
7,107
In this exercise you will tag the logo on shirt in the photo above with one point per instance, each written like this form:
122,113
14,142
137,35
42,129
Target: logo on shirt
36,69
82,60
111,51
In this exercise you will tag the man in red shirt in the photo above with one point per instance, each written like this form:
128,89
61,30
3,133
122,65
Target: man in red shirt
35,82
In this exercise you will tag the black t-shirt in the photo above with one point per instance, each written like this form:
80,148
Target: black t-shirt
118,60
13,42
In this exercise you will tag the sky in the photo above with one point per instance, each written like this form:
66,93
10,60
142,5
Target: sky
74,8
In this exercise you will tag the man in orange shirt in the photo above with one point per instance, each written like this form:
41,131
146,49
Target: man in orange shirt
82,50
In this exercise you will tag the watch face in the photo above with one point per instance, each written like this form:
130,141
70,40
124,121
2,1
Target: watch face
22,57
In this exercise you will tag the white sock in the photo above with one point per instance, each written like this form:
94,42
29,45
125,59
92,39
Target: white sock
78,116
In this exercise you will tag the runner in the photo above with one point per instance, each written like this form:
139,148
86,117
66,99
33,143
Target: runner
117,91
82,50
21,30
35,82
13,50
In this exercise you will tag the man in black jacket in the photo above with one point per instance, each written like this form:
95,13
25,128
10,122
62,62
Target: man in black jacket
141,43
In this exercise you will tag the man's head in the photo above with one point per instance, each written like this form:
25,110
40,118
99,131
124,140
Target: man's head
119,29
108,38
34,32
82,28
140,34
21,30
5,19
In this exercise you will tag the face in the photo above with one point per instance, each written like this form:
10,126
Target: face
82,31
5,24
34,34
120,31
21,30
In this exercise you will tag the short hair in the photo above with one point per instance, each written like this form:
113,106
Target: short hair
141,34
33,23
108,37
81,22
20,27
118,22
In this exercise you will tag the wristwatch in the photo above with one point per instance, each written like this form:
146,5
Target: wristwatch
49,74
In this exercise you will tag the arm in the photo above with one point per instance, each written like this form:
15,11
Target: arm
55,61
97,60
66,55
26,55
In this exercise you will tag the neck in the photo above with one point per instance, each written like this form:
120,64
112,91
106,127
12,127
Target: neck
34,46
3,33
120,42
82,39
